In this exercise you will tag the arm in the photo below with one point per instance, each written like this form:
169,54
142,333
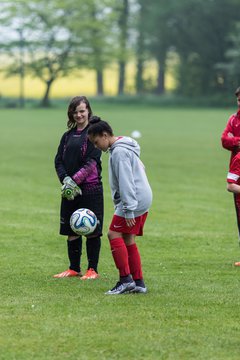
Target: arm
234,188
127,187
92,158
233,176
229,141
59,166
85,171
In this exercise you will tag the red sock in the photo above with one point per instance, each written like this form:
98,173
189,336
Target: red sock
134,260
120,256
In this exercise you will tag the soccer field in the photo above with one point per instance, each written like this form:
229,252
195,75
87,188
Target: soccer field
188,249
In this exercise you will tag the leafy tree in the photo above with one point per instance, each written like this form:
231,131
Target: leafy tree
97,26
49,45
200,30
140,47
230,68
196,31
13,46
68,35
158,24
97,42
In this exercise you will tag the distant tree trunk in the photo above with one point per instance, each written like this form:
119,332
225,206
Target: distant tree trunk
121,80
100,90
139,77
160,88
140,51
123,26
21,69
21,92
45,100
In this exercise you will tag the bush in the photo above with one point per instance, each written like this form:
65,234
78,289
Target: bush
166,100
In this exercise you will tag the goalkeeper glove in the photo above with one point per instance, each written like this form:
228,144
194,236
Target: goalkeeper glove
70,189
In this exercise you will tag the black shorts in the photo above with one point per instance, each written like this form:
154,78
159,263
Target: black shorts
92,202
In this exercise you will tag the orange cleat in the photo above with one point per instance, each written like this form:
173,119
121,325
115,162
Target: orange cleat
67,273
90,274
237,263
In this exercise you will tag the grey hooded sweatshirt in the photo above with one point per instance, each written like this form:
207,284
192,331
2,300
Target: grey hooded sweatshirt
131,192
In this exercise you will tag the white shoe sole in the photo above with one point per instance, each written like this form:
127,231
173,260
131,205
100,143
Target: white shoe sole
138,290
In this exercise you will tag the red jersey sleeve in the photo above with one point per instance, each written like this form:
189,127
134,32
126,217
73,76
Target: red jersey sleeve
230,142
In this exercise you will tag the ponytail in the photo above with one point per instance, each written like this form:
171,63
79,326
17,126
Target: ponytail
97,126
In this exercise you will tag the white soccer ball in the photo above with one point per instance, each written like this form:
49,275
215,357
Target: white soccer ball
83,221
136,134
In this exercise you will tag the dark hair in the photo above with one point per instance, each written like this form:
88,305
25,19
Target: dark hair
99,126
72,107
237,92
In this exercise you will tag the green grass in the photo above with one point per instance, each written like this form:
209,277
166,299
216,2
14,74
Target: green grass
188,249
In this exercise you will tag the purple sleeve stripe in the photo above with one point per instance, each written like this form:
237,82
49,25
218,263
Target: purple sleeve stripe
83,173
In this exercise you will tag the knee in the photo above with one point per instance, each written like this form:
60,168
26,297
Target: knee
129,239
71,238
111,235
129,242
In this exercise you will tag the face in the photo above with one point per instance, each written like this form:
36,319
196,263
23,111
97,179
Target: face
100,141
238,100
80,115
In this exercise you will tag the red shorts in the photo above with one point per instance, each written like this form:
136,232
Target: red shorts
118,224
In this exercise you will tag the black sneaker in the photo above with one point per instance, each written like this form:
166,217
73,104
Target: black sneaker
121,288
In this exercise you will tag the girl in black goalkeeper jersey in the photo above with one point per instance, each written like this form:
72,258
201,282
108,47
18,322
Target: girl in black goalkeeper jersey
78,163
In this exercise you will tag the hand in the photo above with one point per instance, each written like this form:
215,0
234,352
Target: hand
230,134
67,192
130,222
70,189
70,193
70,182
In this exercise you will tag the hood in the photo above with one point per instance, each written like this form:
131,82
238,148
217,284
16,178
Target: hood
127,143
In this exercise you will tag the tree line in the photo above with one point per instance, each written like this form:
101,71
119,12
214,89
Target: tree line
198,41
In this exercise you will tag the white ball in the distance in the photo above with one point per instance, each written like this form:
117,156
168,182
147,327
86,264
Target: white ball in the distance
136,134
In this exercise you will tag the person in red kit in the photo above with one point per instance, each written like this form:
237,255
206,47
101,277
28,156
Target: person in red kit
233,185
231,141
231,134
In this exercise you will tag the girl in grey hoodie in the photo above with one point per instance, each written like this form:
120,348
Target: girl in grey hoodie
132,198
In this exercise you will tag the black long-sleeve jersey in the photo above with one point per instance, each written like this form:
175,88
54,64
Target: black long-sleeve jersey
77,157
